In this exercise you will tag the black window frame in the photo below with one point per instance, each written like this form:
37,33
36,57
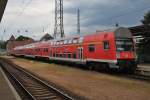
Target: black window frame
69,55
74,55
105,43
91,48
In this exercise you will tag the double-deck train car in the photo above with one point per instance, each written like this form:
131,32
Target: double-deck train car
108,49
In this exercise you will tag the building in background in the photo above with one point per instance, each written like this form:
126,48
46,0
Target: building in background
12,43
46,37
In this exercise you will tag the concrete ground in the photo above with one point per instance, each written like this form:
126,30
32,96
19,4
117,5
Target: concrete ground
144,67
6,92
92,85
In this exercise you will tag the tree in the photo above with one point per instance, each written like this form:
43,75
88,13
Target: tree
2,45
22,38
144,45
146,20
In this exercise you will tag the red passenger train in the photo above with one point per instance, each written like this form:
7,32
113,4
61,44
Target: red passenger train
108,49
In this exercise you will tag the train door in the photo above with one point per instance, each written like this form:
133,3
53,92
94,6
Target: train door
80,53
51,53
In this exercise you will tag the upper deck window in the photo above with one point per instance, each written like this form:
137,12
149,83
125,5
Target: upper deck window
65,41
46,50
58,42
91,48
75,40
106,45
70,41
80,39
61,42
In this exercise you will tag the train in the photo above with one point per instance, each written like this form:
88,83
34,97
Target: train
110,49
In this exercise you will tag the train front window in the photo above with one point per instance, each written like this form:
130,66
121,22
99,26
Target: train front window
124,45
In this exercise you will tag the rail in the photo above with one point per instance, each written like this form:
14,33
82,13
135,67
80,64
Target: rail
33,86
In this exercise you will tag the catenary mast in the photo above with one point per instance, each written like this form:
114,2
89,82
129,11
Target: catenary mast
59,27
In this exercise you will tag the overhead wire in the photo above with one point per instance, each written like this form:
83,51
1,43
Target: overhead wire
26,5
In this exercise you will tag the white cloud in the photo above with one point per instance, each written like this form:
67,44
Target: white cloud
34,15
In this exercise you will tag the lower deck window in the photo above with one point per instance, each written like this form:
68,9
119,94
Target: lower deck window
57,55
74,55
69,55
61,55
64,55
54,55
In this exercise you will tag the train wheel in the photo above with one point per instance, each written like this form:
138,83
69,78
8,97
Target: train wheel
133,68
90,66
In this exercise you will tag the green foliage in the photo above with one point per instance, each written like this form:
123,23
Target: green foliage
22,38
146,19
3,45
144,45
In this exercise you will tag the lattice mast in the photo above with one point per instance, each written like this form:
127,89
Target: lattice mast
59,27
78,21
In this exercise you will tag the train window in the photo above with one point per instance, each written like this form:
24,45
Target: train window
46,50
37,50
61,42
75,40
54,54
106,45
124,45
80,39
61,55
53,43
65,42
91,47
69,55
51,53
74,55
70,41
64,55
57,43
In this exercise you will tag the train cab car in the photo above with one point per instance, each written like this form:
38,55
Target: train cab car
125,49
110,49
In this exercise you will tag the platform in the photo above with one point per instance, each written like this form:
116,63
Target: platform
145,67
7,92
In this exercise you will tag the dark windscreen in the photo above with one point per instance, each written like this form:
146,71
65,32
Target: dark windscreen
124,45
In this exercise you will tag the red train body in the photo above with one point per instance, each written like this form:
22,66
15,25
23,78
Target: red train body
111,49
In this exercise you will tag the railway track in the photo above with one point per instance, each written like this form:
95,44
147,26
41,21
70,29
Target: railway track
139,77
140,74
143,71
34,88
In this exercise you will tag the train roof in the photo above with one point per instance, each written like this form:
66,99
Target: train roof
120,32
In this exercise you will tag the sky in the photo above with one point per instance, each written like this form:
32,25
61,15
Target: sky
32,17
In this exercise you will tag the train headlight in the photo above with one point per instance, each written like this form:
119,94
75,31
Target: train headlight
118,55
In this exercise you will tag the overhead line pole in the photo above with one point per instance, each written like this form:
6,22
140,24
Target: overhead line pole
59,26
78,22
